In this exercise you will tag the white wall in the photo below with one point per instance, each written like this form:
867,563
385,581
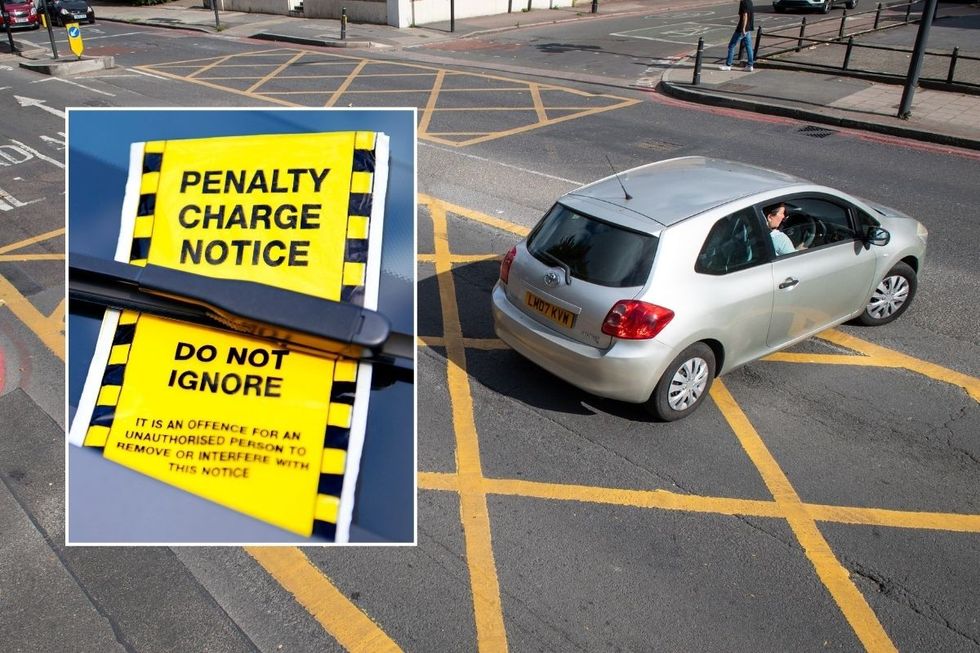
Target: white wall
419,12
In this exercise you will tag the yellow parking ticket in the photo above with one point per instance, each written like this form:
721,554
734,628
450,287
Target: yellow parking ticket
273,433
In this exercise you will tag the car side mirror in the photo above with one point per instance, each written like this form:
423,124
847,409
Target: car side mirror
877,236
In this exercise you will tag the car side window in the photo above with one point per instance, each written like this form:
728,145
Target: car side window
735,242
811,222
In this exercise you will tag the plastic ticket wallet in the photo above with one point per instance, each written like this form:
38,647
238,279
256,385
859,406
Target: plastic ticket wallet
266,431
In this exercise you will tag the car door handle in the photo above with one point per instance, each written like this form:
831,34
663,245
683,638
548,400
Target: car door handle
788,283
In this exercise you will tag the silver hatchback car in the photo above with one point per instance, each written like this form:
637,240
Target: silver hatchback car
644,286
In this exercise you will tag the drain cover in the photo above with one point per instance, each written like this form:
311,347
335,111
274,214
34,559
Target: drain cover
660,146
815,132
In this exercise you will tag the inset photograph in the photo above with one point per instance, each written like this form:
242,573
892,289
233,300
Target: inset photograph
241,348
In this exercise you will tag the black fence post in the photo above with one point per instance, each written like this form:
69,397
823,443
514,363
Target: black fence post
595,6
799,44
510,6
847,53
758,40
217,21
697,62
908,12
877,16
47,19
6,21
952,65
915,64
843,19
452,15
529,5
343,23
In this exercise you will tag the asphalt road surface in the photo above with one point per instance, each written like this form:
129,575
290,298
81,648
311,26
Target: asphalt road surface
825,498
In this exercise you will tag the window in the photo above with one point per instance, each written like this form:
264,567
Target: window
813,222
734,243
593,250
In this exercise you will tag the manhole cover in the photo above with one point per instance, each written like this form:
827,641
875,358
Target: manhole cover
660,146
815,132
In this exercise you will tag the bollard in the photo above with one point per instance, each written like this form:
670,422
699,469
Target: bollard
47,20
952,65
510,6
755,46
799,44
343,23
843,19
847,53
697,62
529,5
217,21
452,15
595,6
877,16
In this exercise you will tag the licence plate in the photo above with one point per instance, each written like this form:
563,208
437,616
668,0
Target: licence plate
80,16
20,20
554,313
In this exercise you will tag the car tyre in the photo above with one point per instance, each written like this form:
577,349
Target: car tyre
851,4
891,297
684,384
827,6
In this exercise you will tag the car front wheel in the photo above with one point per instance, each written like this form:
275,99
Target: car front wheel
684,385
891,298
827,6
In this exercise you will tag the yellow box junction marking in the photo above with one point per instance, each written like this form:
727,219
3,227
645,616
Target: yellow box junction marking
50,329
266,65
355,631
236,420
473,487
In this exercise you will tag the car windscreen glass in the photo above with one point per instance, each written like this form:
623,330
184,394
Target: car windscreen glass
593,250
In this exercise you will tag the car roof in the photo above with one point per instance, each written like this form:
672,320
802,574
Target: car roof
672,190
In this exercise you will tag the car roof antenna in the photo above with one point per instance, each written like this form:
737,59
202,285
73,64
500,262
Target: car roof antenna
625,192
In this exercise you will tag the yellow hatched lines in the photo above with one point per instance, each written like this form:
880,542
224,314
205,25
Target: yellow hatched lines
535,104
49,329
802,518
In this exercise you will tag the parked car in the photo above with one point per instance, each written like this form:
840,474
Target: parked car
644,286
823,6
23,15
70,11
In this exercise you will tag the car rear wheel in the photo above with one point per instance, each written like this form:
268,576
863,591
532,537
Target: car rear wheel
891,298
851,4
827,6
684,385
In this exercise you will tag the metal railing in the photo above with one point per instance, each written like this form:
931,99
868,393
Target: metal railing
840,36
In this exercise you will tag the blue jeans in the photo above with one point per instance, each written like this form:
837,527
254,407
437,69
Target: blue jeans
736,37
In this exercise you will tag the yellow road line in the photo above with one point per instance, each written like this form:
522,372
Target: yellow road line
460,258
185,63
275,71
13,247
830,571
346,83
475,216
431,104
48,332
352,629
893,358
826,359
218,87
216,62
19,258
474,515
538,104
550,121
664,500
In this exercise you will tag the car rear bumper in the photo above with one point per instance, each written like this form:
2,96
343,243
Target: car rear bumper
627,371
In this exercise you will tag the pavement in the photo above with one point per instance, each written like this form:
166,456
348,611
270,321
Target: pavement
808,85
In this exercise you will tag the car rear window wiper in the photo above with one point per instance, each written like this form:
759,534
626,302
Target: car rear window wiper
559,263
295,320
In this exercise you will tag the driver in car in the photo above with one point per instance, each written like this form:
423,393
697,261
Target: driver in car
780,241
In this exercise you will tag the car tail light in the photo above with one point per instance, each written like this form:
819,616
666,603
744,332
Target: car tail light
635,320
505,264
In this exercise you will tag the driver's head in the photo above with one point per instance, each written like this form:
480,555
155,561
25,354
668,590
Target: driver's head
775,215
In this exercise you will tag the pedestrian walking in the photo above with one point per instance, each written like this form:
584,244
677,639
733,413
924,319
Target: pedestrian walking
743,32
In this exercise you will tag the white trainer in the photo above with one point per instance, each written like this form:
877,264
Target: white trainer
724,67
749,69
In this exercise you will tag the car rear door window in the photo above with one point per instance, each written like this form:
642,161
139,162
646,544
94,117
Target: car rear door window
593,250
734,243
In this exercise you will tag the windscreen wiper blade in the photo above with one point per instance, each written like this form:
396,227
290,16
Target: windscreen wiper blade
295,320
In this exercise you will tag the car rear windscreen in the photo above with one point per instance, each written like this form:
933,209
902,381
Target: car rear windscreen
593,250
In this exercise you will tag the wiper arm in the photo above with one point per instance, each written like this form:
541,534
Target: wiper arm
295,320
558,263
